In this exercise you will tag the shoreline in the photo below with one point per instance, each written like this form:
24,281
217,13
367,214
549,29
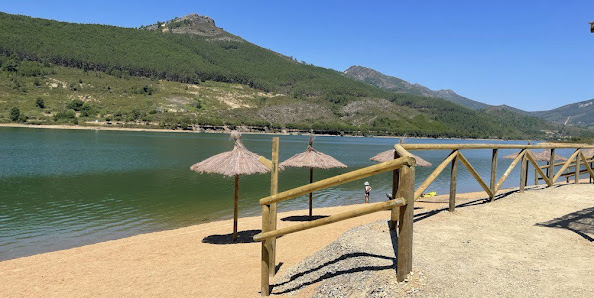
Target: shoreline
196,260
115,128
427,204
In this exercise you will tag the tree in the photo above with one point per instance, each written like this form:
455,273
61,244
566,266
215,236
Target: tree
15,114
40,103
75,105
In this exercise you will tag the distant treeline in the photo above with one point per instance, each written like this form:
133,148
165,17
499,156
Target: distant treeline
124,52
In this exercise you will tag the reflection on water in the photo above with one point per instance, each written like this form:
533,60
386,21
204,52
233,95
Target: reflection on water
66,188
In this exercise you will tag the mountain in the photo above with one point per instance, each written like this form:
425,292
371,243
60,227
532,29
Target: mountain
509,108
579,114
194,24
395,84
188,71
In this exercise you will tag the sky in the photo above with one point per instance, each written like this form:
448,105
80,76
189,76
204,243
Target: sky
533,55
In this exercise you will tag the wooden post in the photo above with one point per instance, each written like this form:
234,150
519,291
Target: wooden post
527,170
535,176
266,248
577,168
493,173
523,172
453,176
405,229
310,195
235,208
273,213
394,213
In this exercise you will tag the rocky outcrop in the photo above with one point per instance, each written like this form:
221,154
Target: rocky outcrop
194,24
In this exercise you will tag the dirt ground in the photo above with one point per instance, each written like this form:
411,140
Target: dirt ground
536,244
477,246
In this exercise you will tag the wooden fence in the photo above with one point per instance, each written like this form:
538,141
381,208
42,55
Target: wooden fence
403,192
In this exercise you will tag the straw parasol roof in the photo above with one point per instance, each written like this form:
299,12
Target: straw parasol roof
389,155
545,155
238,161
234,163
512,156
312,158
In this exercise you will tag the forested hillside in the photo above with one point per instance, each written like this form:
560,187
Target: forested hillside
105,74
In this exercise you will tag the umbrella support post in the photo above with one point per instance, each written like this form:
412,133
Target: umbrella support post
235,208
310,195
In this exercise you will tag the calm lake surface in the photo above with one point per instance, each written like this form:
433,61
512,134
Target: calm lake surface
65,188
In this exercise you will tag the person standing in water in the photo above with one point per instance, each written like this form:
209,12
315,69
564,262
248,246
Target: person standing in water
367,191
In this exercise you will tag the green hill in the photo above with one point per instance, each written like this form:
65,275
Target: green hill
188,71
579,114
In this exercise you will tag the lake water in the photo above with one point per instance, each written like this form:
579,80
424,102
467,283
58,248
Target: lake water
66,188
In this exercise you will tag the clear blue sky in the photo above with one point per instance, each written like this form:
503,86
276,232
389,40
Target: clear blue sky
532,55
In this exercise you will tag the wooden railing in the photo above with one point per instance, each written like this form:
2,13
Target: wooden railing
568,173
401,204
403,192
525,158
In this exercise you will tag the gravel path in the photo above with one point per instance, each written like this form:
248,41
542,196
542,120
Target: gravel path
535,244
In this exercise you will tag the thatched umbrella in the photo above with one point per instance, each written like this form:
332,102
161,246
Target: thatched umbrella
389,155
238,161
545,155
311,159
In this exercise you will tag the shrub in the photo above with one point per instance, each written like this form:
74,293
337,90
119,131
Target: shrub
15,114
87,110
40,103
65,115
75,105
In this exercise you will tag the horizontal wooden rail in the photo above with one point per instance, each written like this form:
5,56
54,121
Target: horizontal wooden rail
492,146
563,162
338,180
371,208
584,171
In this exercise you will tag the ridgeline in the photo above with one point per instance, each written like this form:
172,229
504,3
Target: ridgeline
187,72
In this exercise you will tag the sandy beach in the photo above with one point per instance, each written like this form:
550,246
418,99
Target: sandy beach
199,260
